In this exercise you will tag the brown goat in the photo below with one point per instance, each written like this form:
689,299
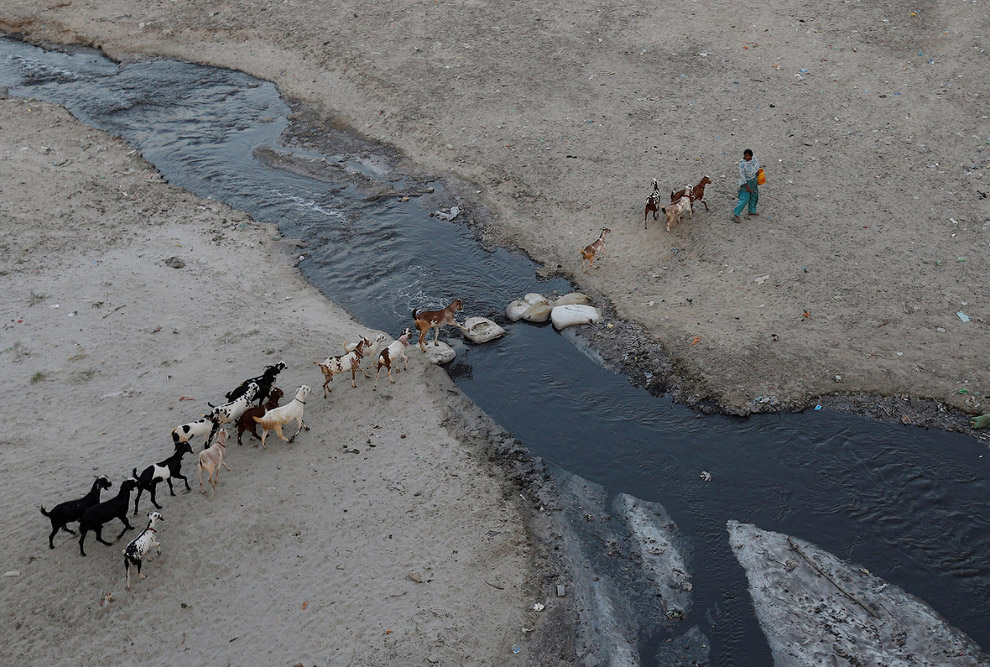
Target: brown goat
697,193
429,319
596,248
247,423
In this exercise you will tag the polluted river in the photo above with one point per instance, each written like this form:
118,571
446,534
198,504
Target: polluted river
910,505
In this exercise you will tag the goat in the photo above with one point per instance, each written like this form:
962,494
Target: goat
345,362
393,352
652,203
162,471
274,420
138,549
247,423
265,382
211,459
231,412
71,510
429,319
697,193
206,427
676,210
596,248
99,514
373,346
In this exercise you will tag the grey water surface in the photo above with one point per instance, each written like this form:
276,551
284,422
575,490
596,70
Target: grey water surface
911,505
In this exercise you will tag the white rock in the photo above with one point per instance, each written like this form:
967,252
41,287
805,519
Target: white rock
573,299
482,330
514,311
569,316
538,312
534,297
439,354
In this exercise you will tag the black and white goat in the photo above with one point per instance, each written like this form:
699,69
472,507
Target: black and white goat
232,411
71,510
99,514
137,550
265,382
162,471
205,427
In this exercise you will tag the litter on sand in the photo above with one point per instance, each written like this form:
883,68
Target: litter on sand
963,316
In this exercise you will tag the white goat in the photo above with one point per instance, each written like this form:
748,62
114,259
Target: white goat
137,550
395,351
211,459
274,420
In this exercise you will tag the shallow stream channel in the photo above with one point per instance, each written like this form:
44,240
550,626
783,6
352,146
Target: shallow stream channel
911,505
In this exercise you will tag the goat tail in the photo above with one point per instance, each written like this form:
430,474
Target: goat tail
44,511
134,473
415,310
210,404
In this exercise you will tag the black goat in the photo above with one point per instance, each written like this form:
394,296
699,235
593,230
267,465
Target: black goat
97,515
71,510
264,382
163,470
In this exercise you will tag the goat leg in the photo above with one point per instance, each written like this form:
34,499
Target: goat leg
154,501
99,537
170,489
183,478
82,538
137,500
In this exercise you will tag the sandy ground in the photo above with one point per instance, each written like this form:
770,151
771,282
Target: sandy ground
377,537
870,118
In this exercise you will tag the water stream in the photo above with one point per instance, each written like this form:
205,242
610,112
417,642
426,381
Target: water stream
911,505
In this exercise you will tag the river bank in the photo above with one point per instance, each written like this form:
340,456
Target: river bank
836,290
131,303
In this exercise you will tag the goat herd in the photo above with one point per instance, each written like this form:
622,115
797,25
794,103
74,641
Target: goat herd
681,201
92,514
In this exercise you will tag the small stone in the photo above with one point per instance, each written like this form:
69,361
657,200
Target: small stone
415,576
940,329
838,378
560,590
12,573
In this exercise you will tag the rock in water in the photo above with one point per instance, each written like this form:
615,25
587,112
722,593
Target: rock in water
482,330
439,354
535,297
569,316
818,610
538,312
514,311
573,299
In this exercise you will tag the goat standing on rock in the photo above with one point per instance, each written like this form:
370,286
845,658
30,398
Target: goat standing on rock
164,470
72,510
138,549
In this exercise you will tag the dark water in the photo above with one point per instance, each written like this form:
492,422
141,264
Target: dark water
910,505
